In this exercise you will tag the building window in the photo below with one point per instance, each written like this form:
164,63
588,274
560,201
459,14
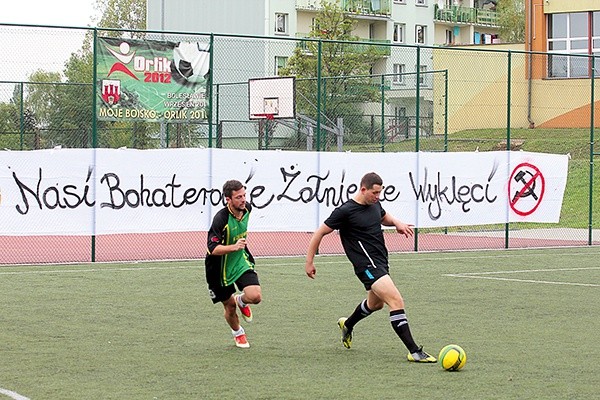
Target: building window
280,62
569,33
281,24
449,37
423,75
596,41
399,33
421,2
399,70
420,31
399,1
314,26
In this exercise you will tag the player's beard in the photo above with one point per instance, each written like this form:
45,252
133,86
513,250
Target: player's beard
241,207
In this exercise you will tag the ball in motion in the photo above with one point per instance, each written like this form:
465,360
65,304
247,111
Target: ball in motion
452,357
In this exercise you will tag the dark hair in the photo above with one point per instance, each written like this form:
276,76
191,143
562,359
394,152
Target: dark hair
231,186
371,179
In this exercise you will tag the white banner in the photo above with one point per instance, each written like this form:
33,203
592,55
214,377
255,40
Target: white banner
107,191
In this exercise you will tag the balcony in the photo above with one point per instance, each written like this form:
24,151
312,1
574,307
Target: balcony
381,48
378,8
466,15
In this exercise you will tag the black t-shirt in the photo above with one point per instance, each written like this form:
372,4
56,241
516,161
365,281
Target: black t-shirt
360,230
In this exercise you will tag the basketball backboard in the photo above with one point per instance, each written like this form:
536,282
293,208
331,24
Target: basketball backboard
272,98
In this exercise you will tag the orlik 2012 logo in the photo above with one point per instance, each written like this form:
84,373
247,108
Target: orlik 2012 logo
156,70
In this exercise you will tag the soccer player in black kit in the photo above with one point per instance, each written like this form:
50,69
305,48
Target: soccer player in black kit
359,223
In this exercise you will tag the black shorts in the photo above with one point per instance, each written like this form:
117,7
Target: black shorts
222,293
368,274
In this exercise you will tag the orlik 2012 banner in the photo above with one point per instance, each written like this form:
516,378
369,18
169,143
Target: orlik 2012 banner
149,80
105,191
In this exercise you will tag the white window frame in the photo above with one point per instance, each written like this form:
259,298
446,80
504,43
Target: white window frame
421,3
282,21
422,74
424,30
398,78
450,37
279,59
560,66
399,1
399,35
313,24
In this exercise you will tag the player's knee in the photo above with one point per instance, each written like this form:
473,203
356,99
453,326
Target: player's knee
252,295
375,305
396,303
253,298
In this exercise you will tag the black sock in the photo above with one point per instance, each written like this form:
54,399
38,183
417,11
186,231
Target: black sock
361,311
400,325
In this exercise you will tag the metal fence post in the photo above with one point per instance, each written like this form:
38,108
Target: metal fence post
94,126
592,154
417,130
22,116
319,55
383,113
508,87
209,89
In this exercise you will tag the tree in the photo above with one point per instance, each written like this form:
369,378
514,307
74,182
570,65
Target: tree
39,104
511,18
345,69
71,125
122,14
9,127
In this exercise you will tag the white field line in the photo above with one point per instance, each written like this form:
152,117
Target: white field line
482,275
12,395
107,267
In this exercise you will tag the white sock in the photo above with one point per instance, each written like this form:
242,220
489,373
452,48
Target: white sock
238,332
240,302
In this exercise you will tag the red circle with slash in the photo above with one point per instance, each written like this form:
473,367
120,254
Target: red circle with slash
529,183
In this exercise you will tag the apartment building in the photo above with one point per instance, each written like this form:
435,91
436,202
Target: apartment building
412,22
463,22
409,23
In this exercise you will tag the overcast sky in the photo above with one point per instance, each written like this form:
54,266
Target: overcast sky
47,12
25,50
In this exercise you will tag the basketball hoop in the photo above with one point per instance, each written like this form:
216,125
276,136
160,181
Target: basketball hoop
271,98
267,116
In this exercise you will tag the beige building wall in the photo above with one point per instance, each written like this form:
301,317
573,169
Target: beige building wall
477,93
563,6
477,88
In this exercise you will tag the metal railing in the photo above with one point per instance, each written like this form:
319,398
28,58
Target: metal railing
466,15
359,7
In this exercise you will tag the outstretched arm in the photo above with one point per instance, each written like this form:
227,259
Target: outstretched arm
401,227
313,246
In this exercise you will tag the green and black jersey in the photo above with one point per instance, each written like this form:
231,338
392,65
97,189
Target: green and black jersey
226,229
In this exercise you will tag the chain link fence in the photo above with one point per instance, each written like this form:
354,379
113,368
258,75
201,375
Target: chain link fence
433,99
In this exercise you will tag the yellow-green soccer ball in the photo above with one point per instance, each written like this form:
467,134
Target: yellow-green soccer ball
452,357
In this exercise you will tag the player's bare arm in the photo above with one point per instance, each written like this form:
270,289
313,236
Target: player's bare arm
401,227
313,246
226,249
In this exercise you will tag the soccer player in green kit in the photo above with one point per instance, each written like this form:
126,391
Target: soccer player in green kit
229,263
